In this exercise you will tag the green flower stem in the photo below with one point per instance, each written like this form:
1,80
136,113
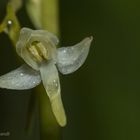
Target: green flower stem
44,14
49,128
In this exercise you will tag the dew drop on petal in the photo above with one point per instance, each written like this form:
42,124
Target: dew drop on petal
21,74
55,83
64,51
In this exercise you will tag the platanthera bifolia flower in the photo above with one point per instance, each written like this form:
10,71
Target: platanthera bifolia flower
38,49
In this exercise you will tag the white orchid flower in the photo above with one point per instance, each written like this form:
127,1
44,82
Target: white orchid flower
38,49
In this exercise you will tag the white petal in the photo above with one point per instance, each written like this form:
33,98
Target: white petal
21,78
45,34
50,79
69,59
27,37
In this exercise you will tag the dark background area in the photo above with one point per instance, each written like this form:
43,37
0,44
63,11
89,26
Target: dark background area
102,98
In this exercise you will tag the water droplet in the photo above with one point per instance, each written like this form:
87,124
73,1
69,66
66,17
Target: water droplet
55,83
21,74
9,22
64,51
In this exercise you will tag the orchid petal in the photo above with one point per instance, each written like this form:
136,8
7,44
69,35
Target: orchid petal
45,34
27,37
69,59
50,79
21,78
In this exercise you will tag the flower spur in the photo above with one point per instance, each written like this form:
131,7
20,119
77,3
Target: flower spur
38,49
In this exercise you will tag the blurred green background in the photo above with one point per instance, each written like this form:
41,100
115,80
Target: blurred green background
102,98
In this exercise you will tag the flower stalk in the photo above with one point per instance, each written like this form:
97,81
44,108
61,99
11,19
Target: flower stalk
46,16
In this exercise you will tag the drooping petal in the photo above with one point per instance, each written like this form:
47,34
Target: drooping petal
21,78
50,79
69,59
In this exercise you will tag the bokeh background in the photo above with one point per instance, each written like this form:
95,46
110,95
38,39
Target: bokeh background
102,98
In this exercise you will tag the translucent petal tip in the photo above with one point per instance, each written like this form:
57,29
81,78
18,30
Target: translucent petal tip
71,58
88,40
58,110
